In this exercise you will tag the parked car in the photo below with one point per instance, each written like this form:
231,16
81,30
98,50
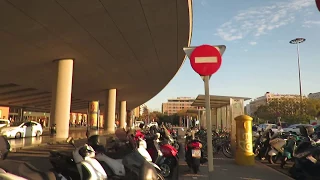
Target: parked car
273,127
295,128
137,123
26,129
4,123
153,124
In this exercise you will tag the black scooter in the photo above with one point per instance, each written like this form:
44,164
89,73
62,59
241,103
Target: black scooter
306,159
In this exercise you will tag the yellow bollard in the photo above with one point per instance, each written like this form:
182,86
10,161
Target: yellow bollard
244,154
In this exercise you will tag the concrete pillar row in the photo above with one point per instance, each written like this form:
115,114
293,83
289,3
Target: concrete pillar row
61,97
110,110
123,114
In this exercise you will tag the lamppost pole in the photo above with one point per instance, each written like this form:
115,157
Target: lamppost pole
297,41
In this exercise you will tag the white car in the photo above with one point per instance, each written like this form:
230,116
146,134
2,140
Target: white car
153,124
273,127
26,129
295,128
4,123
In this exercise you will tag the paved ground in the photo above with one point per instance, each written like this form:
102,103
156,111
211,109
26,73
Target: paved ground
224,168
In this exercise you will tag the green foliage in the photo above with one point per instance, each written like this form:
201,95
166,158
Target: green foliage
289,110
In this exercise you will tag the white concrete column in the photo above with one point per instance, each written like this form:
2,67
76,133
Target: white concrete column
110,110
123,114
61,97
214,118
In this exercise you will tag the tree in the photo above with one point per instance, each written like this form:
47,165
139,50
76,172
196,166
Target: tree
290,110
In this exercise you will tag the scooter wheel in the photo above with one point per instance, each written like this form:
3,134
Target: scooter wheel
273,159
160,177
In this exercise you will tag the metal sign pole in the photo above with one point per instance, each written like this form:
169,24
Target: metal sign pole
209,127
98,119
199,118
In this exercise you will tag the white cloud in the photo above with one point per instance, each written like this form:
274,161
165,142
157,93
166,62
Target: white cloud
253,43
258,21
204,2
309,23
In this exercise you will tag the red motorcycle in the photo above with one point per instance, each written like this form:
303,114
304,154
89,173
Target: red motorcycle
164,155
194,155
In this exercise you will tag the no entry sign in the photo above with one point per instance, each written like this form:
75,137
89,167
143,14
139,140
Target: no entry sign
205,60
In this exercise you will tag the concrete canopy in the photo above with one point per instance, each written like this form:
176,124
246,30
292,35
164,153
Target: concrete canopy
134,46
215,101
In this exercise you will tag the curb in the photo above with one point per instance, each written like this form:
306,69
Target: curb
270,168
49,143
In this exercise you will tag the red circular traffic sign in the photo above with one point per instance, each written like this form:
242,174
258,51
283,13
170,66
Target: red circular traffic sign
318,4
205,60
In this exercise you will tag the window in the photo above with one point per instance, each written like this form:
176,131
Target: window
292,126
3,122
28,124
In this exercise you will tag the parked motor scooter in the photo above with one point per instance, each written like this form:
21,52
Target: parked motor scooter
306,159
132,166
289,149
81,164
276,148
20,170
165,135
163,154
194,154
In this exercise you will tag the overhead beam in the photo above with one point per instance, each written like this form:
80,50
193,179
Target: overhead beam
38,102
18,91
75,103
23,96
81,105
9,87
78,100
30,100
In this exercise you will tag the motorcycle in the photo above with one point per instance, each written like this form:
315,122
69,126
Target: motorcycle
289,149
80,164
276,149
163,154
125,168
307,157
20,170
194,155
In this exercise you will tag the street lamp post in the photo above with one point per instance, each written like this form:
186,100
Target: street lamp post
297,41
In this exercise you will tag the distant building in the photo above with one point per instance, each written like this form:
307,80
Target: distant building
174,105
314,95
263,100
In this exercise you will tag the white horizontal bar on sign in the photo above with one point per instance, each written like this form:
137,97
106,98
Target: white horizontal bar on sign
211,59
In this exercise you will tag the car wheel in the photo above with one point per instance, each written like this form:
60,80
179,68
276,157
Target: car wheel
38,133
18,135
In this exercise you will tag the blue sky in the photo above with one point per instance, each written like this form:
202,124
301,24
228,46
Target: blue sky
259,57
